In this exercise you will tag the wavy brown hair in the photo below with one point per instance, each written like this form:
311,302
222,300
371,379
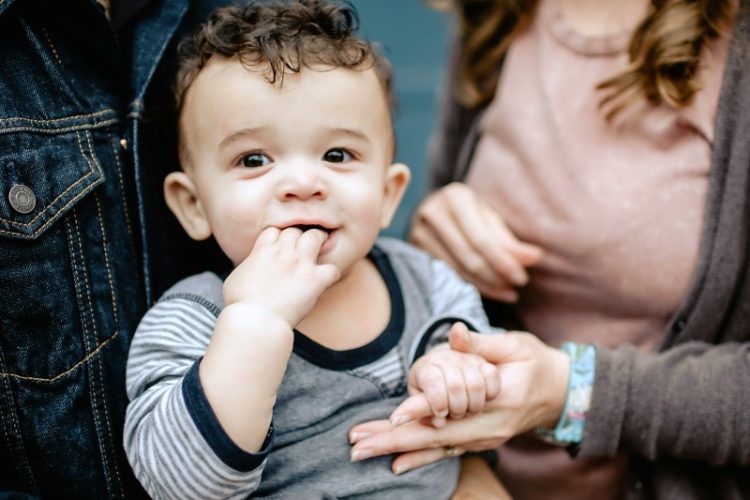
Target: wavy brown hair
664,51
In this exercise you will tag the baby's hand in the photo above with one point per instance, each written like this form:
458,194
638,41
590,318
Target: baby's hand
454,383
282,274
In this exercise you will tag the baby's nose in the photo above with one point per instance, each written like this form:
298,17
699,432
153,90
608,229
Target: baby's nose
302,185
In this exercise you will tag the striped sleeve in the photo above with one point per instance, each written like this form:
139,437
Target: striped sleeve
173,440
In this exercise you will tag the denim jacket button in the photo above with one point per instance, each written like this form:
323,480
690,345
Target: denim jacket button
124,144
22,198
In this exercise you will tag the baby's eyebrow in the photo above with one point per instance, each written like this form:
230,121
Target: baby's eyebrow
239,135
352,132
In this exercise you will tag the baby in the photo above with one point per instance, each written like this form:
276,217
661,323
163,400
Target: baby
248,384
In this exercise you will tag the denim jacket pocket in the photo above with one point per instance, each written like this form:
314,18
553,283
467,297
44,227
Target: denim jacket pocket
56,258
44,171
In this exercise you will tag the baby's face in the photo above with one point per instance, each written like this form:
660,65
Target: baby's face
315,152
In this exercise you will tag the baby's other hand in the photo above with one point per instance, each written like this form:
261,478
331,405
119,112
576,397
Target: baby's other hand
453,383
282,273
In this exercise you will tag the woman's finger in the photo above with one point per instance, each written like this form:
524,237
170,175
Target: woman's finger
437,219
417,436
414,408
366,429
495,288
486,233
412,460
494,348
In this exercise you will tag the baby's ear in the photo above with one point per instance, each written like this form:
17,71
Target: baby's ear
397,178
182,199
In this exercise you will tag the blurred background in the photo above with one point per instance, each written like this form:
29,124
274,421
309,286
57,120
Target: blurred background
414,37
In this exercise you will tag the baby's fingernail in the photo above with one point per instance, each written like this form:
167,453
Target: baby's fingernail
357,455
400,420
357,436
438,422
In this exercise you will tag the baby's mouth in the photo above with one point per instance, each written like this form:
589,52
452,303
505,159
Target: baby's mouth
308,227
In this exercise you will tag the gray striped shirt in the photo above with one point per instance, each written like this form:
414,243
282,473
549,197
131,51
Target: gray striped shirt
178,449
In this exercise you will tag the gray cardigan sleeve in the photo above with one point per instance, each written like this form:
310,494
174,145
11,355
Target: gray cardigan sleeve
691,401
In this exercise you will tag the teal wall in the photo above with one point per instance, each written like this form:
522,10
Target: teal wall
414,38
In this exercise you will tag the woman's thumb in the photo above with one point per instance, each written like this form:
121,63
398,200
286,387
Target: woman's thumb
495,348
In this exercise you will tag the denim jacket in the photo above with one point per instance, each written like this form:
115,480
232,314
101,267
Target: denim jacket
84,236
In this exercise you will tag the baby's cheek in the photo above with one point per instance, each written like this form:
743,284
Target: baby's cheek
235,244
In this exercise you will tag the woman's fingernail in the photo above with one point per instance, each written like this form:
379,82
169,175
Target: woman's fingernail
519,277
357,436
400,420
358,455
400,469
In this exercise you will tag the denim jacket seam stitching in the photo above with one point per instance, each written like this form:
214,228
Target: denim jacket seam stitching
17,434
113,458
118,162
71,128
85,116
51,46
93,170
66,372
93,390
106,262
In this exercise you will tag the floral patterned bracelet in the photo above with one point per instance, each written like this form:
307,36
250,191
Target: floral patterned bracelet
572,424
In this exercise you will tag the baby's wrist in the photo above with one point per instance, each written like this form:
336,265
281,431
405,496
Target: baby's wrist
243,314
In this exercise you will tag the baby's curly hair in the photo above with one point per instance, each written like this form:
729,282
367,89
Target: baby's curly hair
283,36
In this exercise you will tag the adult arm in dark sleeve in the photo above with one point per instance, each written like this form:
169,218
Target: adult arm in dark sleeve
690,402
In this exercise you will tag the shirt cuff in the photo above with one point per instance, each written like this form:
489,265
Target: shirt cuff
571,427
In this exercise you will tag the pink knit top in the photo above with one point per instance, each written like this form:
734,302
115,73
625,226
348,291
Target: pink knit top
617,207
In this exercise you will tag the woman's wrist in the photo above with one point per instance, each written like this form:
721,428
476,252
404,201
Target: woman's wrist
571,425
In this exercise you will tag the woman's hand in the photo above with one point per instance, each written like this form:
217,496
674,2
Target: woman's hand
454,225
533,388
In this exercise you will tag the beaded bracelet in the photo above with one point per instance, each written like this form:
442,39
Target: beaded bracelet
572,423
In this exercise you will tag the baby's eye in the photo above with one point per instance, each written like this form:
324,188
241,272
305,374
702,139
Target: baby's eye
254,160
337,155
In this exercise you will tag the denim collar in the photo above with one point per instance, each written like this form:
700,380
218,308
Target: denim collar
150,38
